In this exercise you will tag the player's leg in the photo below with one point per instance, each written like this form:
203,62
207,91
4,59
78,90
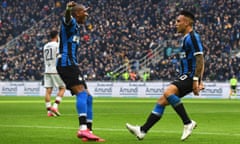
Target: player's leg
235,91
48,102
61,90
176,90
89,116
48,86
59,97
57,101
70,76
153,118
176,103
231,92
89,112
89,107
81,105
155,115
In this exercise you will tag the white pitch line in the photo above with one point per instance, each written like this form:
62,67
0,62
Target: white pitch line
117,130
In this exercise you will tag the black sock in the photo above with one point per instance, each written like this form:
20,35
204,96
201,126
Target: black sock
179,108
152,119
82,120
89,126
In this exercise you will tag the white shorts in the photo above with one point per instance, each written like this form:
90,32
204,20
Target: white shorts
53,80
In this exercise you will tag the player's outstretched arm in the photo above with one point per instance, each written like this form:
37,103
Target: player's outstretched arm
201,84
198,73
69,7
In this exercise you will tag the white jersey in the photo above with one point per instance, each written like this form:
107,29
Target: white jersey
50,52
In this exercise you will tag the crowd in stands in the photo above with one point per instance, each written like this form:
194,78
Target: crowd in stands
118,32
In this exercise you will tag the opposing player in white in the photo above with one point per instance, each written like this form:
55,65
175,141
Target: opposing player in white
51,77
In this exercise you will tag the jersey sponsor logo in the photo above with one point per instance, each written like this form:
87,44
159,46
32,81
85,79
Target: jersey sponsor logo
76,39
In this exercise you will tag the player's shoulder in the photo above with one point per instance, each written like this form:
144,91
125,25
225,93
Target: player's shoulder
192,36
51,45
71,23
46,45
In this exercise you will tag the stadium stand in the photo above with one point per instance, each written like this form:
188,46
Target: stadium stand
117,32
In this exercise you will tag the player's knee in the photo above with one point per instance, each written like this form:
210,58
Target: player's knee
171,89
77,89
174,100
163,101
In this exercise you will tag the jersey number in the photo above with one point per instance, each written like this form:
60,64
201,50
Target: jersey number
48,54
183,77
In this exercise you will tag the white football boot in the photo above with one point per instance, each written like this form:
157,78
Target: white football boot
187,130
135,130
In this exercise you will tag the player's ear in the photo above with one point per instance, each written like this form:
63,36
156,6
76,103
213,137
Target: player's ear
186,22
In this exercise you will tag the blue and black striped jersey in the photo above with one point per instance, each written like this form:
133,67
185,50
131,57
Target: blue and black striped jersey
191,47
69,43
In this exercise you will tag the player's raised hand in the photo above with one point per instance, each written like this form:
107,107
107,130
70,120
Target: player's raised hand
71,4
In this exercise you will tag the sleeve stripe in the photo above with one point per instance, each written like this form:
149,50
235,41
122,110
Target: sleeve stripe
197,53
194,41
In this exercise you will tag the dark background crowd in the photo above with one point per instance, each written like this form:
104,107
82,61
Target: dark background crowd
118,32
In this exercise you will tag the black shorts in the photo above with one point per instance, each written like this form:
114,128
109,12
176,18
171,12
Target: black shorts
184,84
71,76
233,87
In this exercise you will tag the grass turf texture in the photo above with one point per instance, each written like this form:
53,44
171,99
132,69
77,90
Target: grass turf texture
23,120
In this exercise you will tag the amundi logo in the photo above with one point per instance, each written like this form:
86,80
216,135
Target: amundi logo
103,91
212,92
129,91
154,91
9,89
31,89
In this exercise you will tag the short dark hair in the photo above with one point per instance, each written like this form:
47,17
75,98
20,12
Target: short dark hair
53,34
187,14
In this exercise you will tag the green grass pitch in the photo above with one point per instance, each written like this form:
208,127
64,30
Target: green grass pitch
23,120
